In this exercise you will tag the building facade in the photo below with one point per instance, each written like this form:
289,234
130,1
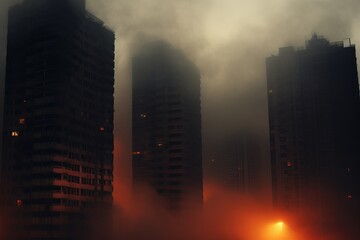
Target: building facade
58,118
235,161
166,130
313,98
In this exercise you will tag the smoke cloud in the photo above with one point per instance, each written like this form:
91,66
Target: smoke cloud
228,40
226,215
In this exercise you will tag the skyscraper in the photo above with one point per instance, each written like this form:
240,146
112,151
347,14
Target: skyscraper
167,152
58,118
313,97
235,161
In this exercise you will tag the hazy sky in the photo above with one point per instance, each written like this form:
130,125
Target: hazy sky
227,39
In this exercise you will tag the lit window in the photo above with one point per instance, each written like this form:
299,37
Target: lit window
160,144
349,196
102,129
19,203
289,164
22,121
15,134
143,115
136,153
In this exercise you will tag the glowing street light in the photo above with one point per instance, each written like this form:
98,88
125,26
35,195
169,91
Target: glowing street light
281,225
275,231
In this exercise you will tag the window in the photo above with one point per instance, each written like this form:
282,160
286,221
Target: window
15,133
22,121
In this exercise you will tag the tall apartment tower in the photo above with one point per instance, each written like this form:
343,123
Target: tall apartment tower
57,156
313,98
167,148
235,161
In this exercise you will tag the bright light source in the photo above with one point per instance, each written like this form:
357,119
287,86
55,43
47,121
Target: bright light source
275,231
14,133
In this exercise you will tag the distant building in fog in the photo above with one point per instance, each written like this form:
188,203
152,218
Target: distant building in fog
313,97
166,123
234,163
58,120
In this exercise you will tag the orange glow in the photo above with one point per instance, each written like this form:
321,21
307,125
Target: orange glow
136,153
289,164
225,215
22,121
275,231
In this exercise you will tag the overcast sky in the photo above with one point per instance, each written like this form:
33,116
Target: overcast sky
228,40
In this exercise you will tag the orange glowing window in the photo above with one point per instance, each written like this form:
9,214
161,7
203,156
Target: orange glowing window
136,153
22,121
289,164
14,133
19,203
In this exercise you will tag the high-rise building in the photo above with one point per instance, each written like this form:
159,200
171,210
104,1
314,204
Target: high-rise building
167,149
58,118
235,162
313,98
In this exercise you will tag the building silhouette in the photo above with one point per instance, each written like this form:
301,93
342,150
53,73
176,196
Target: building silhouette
57,159
235,162
166,130
313,98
